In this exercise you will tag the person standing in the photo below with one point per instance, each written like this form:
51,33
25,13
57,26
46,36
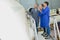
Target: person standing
44,14
34,13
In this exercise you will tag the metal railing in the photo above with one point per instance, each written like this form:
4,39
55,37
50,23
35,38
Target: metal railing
33,26
56,29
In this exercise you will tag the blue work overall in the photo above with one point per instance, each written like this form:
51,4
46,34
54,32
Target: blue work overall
44,19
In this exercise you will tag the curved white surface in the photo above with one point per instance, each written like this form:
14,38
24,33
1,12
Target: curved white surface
12,21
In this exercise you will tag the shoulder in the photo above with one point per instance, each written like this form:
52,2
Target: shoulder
43,9
48,8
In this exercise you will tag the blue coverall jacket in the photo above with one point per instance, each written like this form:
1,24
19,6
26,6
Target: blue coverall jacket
44,17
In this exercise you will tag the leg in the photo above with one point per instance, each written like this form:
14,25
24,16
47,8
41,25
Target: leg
45,32
48,33
37,26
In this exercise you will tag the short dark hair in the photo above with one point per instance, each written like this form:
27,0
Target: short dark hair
46,3
42,5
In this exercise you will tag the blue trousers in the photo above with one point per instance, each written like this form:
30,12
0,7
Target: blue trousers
47,30
37,24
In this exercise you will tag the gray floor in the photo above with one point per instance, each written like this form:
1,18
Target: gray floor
41,37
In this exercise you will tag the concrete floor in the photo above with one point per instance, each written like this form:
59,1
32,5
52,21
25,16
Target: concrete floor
41,37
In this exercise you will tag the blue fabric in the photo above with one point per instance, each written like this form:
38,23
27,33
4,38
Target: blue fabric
44,17
37,23
47,30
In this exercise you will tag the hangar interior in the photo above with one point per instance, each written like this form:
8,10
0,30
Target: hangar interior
15,16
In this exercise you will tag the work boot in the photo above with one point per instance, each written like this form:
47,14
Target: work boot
43,34
47,37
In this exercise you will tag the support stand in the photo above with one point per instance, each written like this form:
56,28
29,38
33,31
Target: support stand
56,29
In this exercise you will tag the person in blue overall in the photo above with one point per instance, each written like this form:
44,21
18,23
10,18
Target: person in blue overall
44,19
34,14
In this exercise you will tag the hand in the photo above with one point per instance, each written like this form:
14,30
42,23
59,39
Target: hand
40,10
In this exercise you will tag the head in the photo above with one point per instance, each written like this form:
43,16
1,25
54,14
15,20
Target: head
35,5
41,6
46,4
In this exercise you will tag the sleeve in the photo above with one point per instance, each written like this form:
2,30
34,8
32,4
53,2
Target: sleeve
39,13
45,11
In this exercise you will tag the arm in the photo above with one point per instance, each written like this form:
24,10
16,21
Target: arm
39,13
44,11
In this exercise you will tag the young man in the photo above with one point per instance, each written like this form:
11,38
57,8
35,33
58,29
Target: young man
34,13
44,13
